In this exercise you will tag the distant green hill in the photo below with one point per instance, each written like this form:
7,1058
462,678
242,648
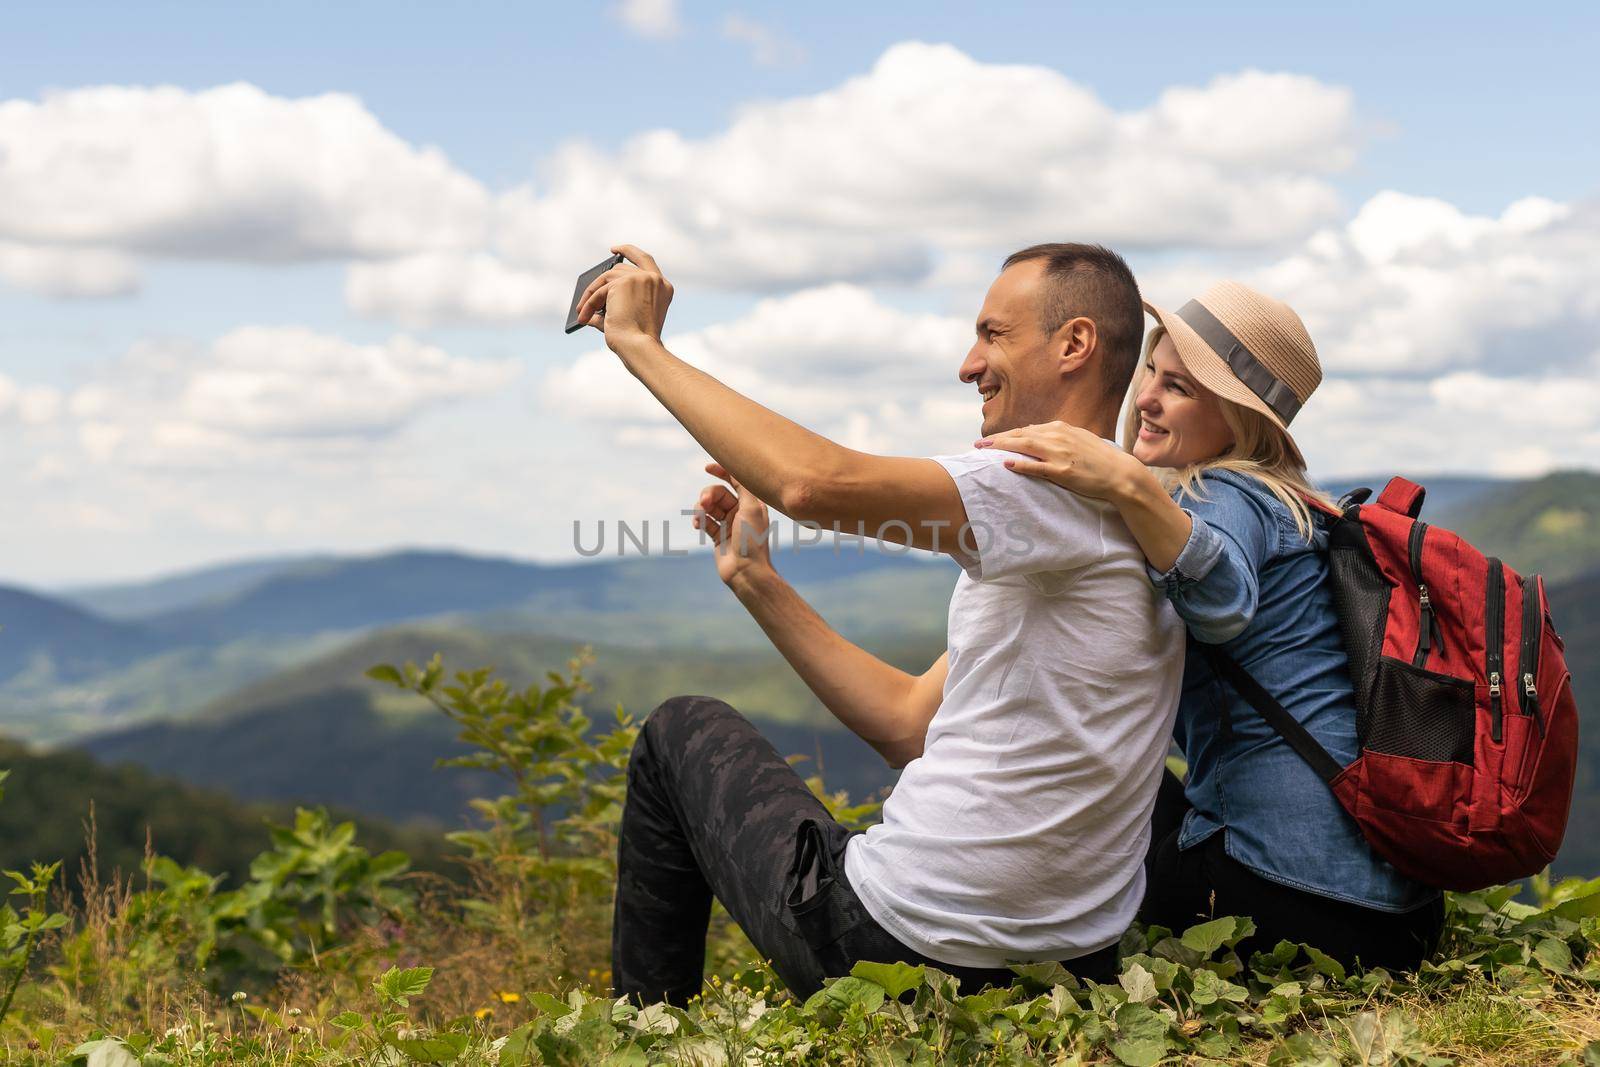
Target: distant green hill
757,681
48,798
323,733
65,672
1576,610
1446,492
348,594
76,644
186,589
257,687
1550,525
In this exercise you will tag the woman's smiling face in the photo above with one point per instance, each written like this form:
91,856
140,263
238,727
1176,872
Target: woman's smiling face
1180,421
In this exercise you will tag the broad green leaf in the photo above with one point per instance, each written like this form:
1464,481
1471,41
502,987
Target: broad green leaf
895,978
107,1052
385,673
398,984
1039,977
1578,907
656,1019
1141,1036
1303,1050
1324,963
1208,937
514,1053
1496,898
847,991
1554,954
1207,988
347,1020
441,1048
1139,983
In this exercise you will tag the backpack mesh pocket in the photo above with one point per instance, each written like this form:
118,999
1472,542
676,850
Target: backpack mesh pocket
1420,714
1361,600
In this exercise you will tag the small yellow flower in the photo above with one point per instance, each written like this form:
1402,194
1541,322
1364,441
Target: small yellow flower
509,998
483,1013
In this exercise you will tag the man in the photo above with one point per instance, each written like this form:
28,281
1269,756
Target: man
1031,749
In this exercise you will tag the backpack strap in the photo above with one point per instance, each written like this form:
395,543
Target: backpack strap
1319,506
1283,724
1402,496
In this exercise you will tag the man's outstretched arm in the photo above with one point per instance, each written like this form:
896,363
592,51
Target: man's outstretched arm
802,473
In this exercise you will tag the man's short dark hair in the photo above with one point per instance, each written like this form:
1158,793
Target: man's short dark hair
1095,282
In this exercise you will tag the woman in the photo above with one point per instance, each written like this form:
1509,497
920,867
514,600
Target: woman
1214,489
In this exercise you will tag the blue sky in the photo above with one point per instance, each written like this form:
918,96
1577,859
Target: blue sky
1458,111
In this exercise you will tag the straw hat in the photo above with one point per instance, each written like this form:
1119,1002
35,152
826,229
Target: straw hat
1248,348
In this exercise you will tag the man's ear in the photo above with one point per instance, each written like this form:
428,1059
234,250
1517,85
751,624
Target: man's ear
1074,343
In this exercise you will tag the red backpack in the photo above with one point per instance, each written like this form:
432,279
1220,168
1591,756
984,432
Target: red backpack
1466,723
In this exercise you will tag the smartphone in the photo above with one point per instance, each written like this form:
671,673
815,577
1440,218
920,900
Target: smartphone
583,283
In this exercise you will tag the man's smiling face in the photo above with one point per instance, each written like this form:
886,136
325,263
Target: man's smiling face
1009,361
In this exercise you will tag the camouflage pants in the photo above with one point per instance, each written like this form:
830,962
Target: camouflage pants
713,809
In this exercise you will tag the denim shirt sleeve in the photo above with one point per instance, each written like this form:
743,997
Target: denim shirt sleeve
1214,583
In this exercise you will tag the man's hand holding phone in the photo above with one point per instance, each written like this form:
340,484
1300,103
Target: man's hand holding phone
627,300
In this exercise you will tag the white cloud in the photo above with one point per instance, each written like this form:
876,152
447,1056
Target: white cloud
930,152
431,287
33,405
1449,341
1256,119
1465,422
1414,285
657,19
768,46
266,391
832,358
67,272
929,157
225,173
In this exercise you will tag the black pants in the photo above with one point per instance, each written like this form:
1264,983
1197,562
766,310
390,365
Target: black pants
1204,882
712,809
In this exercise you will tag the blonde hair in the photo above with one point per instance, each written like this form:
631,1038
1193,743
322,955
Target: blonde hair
1260,450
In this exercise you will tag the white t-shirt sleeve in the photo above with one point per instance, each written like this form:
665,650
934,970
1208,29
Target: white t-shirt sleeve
1022,525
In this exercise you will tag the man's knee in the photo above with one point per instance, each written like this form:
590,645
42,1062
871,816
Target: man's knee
674,714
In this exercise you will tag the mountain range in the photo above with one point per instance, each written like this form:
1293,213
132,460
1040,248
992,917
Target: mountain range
248,677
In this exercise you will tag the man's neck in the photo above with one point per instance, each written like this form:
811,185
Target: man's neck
1091,416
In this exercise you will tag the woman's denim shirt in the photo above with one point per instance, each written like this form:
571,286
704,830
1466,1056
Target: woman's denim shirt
1247,580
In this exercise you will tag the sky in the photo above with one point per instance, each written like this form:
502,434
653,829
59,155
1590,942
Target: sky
288,278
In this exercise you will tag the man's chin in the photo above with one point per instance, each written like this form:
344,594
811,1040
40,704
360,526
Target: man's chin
994,424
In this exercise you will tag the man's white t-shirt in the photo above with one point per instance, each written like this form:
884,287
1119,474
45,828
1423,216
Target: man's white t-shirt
1019,834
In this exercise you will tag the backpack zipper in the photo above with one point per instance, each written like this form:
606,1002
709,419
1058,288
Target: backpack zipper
1494,651
1426,626
1528,661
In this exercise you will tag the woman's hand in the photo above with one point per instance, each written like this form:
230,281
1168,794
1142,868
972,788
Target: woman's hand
738,524
1071,457
628,302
